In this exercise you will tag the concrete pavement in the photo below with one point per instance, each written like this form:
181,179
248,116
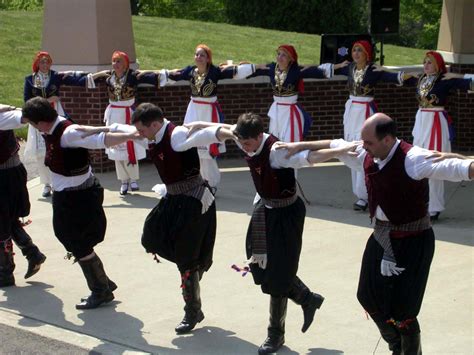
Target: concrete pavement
148,302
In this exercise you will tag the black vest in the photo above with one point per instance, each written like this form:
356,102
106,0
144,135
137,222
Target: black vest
174,166
401,198
65,161
270,183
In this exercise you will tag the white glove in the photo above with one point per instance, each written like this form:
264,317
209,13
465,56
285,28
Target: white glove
389,268
160,189
260,259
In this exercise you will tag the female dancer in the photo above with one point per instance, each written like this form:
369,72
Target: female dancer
122,85
46,83
203,106
288,121
433,129
362,76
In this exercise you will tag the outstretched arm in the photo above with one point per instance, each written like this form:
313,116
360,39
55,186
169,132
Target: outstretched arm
293,148
322,155
440,156
115,138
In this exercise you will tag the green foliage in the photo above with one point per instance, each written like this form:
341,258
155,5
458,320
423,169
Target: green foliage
419,23
29,5
307,16
209,10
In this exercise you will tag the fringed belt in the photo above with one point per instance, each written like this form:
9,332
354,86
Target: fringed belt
91,181
279,202
383,230
11,162
195,187
181,187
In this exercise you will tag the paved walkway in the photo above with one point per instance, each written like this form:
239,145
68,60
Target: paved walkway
148,303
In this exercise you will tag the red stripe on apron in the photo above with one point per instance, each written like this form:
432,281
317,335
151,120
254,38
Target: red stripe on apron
132,159
295,116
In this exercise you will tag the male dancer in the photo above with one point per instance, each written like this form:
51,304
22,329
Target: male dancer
274,236
397,258
14,201
79,220
182,227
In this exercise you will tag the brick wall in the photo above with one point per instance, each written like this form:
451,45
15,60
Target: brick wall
323,99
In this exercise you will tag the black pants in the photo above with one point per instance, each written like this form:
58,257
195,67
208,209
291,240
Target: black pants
14,199
284,230
79,220
398,297
177,231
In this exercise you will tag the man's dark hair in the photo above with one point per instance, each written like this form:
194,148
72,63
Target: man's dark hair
385,128
39,109
249,125
146,113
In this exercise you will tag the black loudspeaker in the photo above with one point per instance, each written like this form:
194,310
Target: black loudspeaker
384,16
336,48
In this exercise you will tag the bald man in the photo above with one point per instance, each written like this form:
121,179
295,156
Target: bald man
398,254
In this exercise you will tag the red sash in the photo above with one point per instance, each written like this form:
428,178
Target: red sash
295,116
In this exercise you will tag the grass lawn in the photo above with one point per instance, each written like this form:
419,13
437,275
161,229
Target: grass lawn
165,43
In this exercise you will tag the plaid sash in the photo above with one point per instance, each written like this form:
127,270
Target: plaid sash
384,229
258,231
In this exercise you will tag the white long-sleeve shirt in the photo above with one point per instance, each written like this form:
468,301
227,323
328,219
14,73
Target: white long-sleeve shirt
416,165
10,120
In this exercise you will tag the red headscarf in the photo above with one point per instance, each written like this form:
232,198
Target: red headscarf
40,55
290,50
438,59
123,55
207,50
366,47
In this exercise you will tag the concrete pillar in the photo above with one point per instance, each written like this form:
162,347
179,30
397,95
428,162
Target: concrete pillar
456,32
82,34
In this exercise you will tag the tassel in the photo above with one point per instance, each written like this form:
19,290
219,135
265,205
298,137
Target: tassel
155,257
245,270
24,223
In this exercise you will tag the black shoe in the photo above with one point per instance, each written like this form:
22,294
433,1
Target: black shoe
112,287
95,300
189,322
435,216
271,344
309,309
360,205
34,264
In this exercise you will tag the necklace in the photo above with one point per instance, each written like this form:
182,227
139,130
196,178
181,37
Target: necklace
280,77
199,79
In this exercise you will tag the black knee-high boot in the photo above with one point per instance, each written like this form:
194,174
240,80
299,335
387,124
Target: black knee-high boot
7,265
192,298
28,248
309,301
411,340
391,335
98,283
276,328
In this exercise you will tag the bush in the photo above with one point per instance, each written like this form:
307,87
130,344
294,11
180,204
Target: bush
209,10
21,5
307,16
